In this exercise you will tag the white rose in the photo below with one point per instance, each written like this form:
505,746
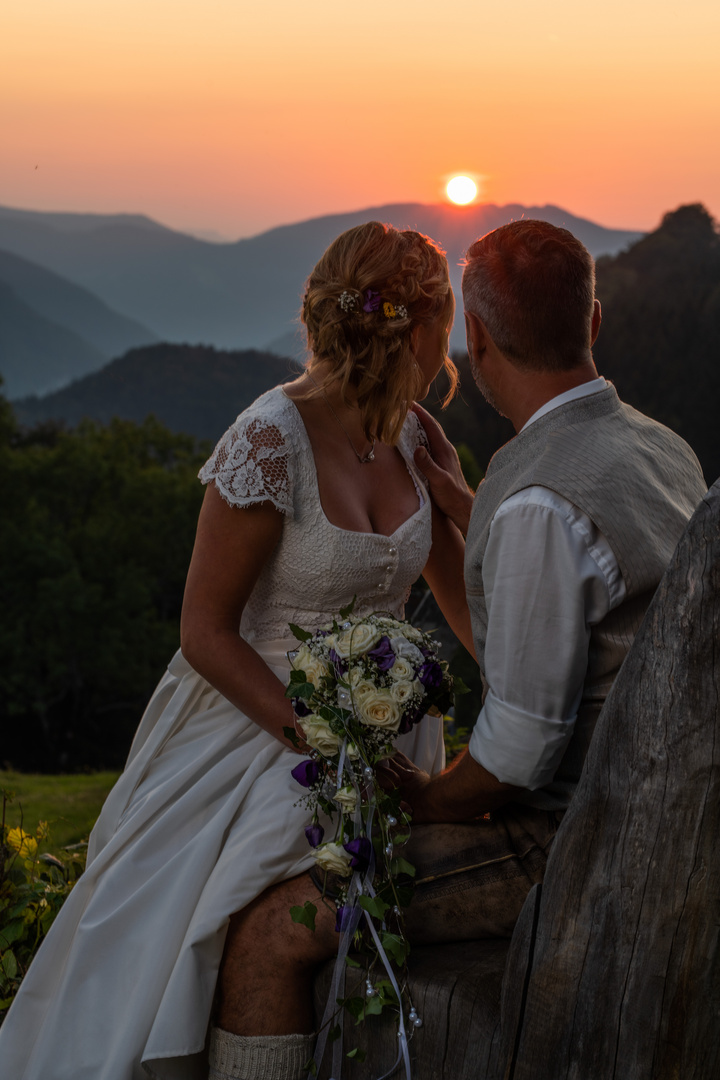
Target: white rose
318,735
401,692
403,648
378,709
361,689
402,670
346,798
314,668
358,639
334,858
355,675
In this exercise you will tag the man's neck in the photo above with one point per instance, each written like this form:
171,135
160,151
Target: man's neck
531,390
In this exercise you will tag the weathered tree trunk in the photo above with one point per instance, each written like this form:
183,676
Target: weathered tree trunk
624,961
456,990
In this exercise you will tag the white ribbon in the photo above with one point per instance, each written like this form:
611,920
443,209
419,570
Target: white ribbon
352,913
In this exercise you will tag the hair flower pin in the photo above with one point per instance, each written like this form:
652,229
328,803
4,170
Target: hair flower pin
372,301
348,301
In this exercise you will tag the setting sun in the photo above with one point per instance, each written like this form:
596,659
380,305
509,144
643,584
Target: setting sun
461,190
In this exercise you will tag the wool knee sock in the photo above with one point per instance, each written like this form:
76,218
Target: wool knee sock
258,1057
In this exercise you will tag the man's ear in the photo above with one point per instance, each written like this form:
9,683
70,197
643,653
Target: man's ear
475,335
596,320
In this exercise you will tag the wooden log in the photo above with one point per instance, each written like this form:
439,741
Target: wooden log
456,991
625,979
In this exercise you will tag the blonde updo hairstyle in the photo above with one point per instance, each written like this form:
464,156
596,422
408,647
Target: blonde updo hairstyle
367,351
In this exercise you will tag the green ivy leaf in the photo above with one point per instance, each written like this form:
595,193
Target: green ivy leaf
374,906
291,735
303,690
355,1006
357,1054
304,915
374,1006
396,947
402,866
351,961
334,1033
345,611
460,686
300,634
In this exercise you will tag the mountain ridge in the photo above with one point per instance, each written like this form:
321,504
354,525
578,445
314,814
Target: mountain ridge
244,293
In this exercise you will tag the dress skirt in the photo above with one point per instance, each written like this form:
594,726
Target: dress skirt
202,820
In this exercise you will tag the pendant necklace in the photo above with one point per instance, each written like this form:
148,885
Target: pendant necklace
370,456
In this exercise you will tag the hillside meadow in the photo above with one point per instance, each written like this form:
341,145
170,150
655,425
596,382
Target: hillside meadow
69,804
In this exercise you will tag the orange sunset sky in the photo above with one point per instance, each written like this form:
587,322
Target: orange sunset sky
234,116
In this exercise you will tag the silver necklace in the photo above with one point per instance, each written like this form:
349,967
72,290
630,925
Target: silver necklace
370,456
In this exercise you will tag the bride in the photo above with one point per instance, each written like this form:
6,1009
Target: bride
312,498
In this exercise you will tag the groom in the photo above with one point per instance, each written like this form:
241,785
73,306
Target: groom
567,539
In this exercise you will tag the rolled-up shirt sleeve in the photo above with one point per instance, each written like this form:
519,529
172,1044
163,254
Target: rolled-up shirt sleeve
548,575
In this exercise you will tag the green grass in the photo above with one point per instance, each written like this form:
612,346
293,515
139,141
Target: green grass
70,804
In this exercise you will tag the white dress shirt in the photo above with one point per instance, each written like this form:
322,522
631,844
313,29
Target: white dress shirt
549,575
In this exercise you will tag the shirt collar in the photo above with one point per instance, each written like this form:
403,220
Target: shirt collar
583,390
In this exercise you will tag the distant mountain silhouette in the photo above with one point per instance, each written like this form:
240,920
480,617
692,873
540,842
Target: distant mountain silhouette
659,342
73,307
245,293
37,354
191,388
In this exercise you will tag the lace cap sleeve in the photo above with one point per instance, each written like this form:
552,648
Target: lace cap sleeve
413,434
252,464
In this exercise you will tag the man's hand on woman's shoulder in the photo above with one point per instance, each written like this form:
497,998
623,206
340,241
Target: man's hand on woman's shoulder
442,469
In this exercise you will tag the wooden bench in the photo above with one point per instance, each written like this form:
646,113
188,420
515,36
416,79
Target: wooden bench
613,971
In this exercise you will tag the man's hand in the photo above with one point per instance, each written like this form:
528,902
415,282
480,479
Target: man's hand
441,467
401,773
462,792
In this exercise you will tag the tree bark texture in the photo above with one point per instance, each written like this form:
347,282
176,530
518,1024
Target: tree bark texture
456,991
624,978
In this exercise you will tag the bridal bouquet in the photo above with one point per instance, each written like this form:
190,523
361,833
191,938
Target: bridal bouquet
355,684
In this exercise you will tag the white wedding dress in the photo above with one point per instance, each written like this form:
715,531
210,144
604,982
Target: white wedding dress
203,819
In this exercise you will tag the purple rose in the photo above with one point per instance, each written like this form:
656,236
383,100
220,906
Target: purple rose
301,709
372,301
314,834
306,773
338,663
382,654
361,851
430,674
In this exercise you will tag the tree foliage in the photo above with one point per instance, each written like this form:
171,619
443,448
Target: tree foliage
660,337
95,541
659,341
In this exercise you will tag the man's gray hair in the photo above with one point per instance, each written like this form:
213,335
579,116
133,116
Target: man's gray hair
533,286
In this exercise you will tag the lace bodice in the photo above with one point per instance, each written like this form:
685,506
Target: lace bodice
316,567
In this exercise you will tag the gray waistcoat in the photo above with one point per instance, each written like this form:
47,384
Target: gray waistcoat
639,483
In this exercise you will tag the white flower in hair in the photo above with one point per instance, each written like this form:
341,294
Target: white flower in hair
348,301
